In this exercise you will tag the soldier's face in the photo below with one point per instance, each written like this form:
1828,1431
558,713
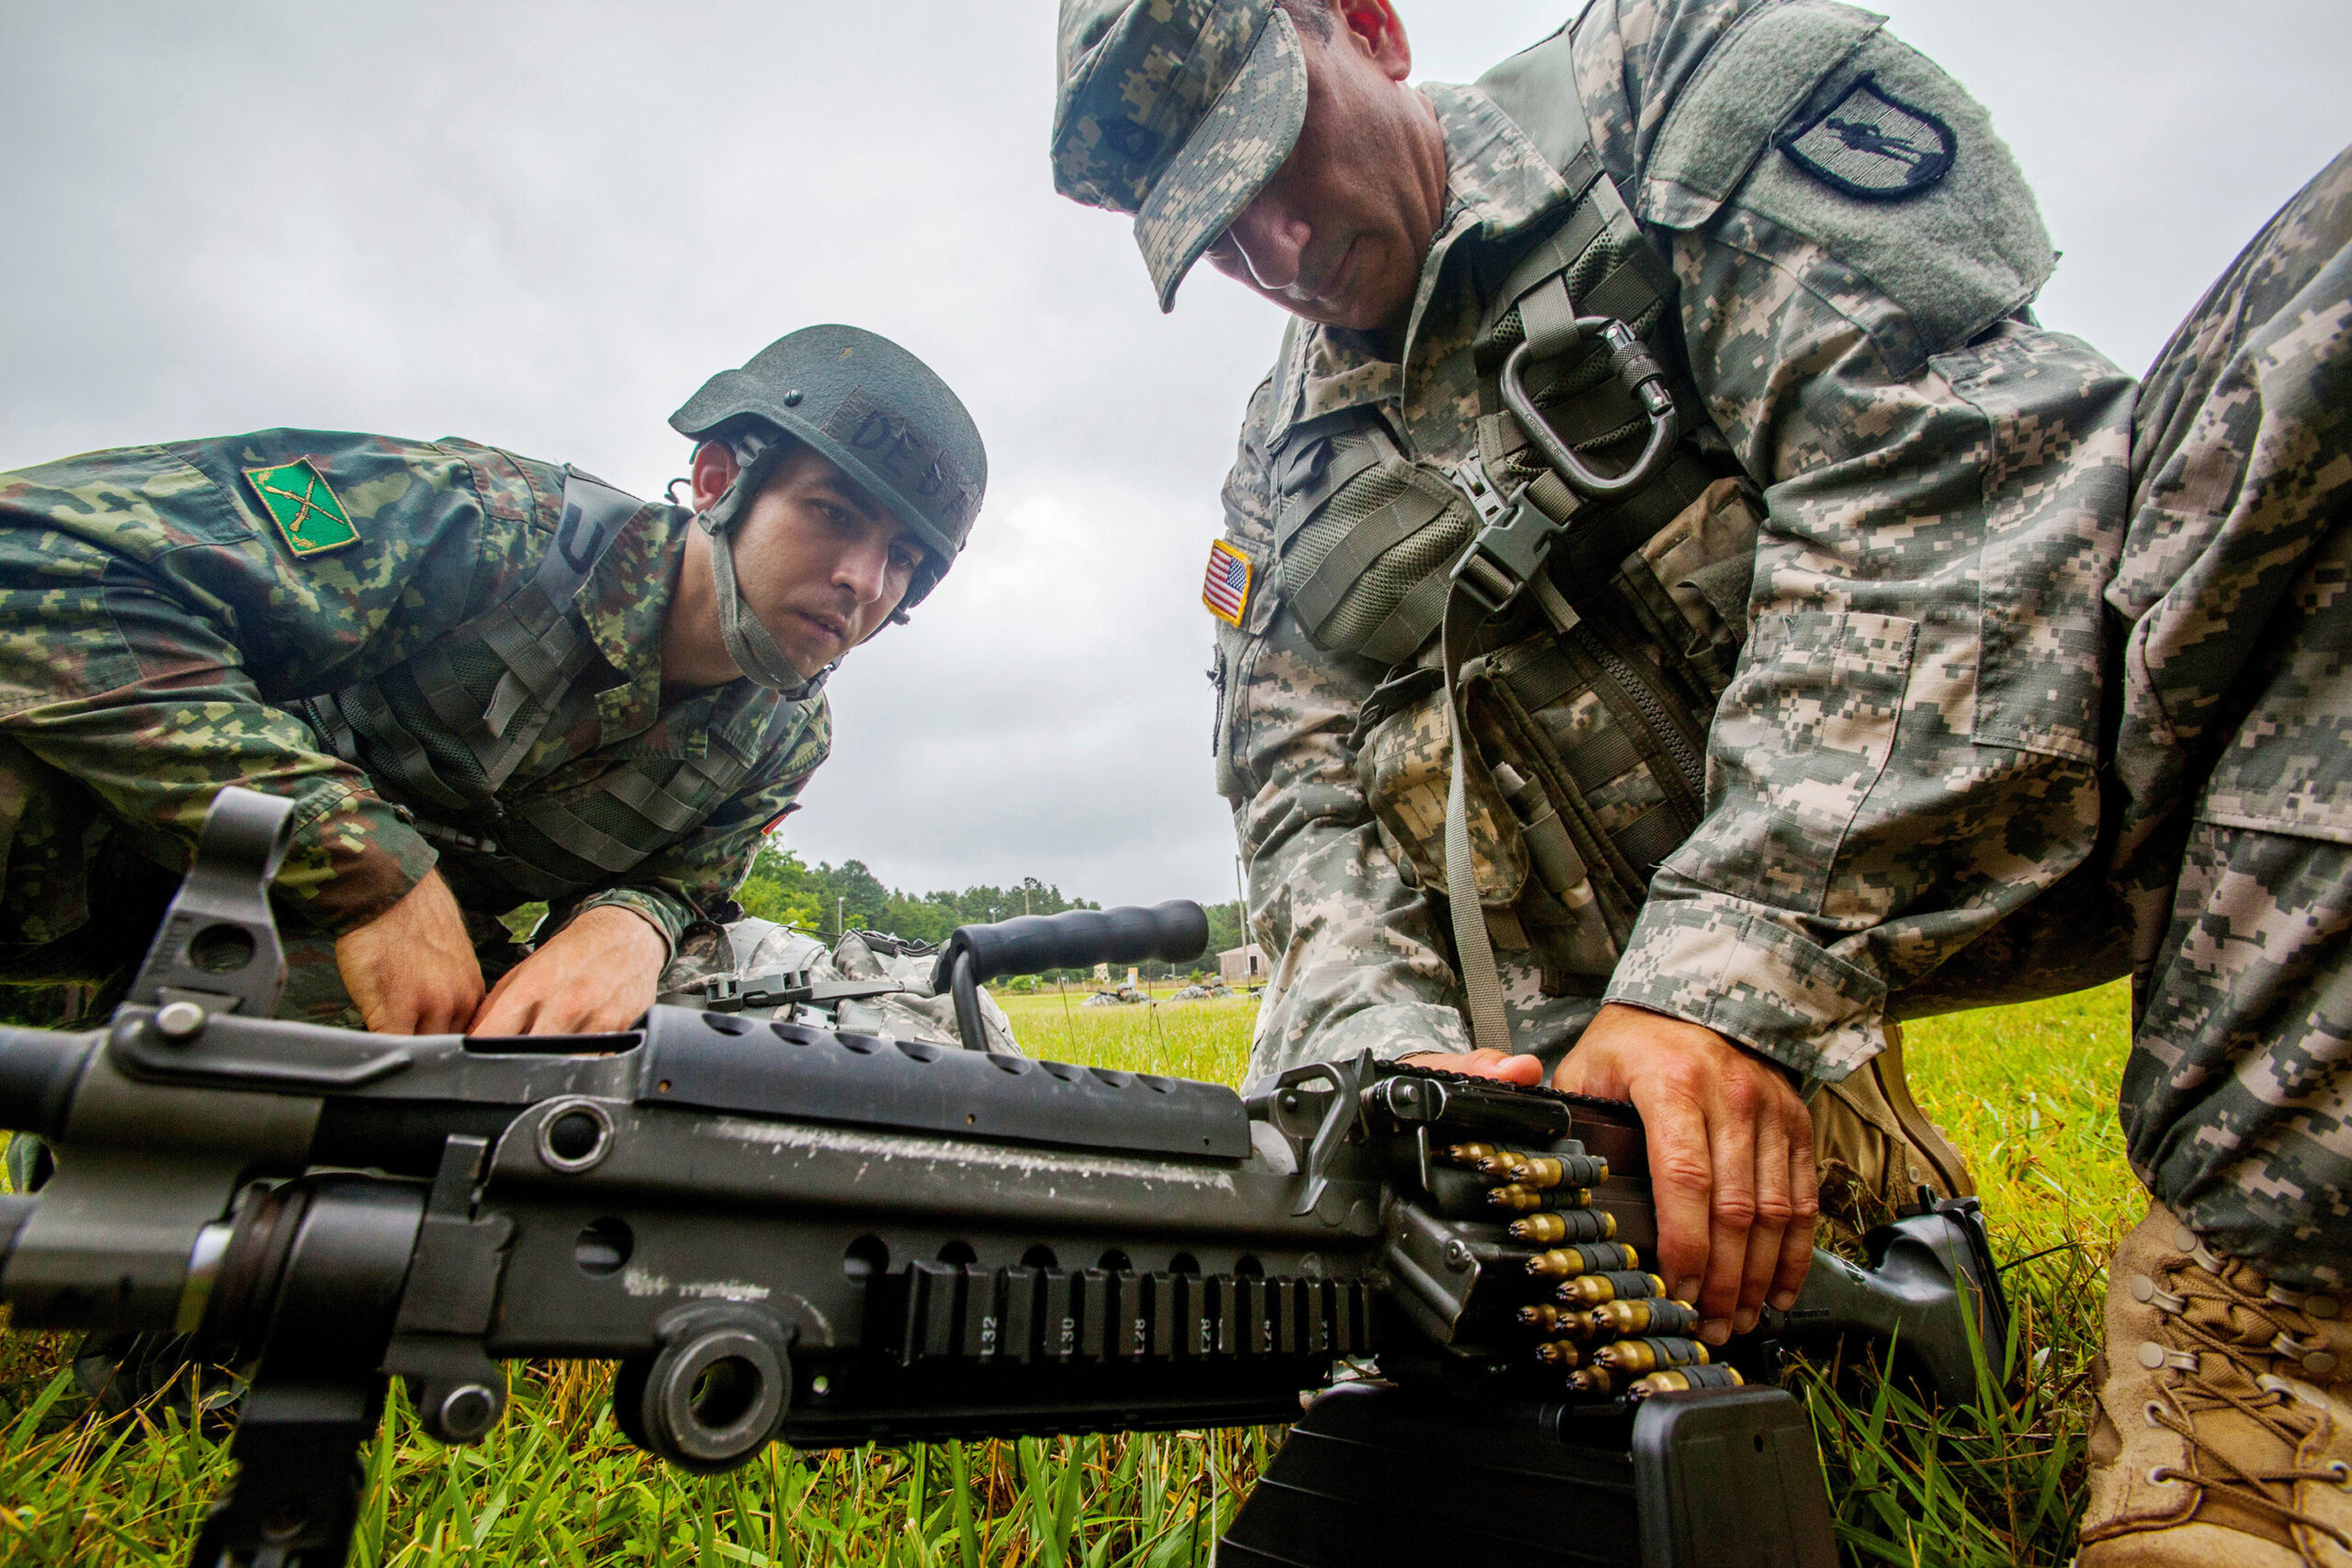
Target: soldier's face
1339,234
821,563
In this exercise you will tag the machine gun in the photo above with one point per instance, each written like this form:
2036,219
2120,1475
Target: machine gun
785,1232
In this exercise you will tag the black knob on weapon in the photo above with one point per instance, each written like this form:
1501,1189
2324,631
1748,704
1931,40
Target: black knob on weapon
1175,932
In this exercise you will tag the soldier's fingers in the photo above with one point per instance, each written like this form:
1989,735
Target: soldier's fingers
1774,1211
1681,1175
393,1015
502,1011
1525,1071
1805,1202
1731,1211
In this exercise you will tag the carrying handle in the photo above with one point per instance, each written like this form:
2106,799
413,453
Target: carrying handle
1175,931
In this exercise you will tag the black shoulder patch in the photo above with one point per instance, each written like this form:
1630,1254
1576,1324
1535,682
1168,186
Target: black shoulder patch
1872,145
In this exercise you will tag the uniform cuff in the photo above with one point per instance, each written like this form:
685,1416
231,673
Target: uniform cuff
664,913
1732,968
352,856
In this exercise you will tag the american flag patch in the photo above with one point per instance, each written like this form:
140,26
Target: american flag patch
1226,589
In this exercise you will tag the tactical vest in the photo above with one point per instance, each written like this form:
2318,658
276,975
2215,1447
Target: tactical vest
1580,627
442,732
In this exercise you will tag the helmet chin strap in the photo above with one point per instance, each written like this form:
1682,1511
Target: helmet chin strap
749,643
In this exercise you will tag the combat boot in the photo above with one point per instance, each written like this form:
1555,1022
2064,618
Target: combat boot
2223,1431
1875,1148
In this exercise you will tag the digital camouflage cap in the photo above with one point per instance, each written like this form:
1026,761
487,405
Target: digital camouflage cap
1178,111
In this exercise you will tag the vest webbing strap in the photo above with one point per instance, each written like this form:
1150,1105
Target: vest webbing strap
1537,290
714,780
1474,949
1321,468
1409,624
1423,500
533,635
409,762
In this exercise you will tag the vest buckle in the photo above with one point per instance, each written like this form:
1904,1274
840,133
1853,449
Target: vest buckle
1508,552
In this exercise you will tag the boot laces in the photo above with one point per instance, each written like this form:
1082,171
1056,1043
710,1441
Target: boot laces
2222,1328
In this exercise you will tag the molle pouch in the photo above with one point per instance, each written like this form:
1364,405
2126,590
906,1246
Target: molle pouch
1688,585
1365,537
1405,760
1561,907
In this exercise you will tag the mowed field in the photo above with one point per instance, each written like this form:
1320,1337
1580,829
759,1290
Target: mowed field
2027,1092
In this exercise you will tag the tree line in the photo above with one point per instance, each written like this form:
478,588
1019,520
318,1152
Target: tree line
828,899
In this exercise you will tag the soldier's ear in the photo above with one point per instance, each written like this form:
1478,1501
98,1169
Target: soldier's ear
1378,31
713,470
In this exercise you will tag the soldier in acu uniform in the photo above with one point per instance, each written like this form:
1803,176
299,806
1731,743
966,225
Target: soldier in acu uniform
1665,413
2225,1431
482,679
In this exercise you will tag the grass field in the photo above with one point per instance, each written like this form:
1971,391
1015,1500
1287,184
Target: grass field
2028,1093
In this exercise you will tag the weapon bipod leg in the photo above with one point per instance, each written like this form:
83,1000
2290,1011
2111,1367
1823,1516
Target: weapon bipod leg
296,1496
310,1279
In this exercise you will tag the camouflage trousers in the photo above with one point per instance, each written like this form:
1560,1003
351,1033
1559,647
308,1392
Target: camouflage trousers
2232,810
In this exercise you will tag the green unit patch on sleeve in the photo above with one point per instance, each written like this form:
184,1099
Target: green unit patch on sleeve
296,498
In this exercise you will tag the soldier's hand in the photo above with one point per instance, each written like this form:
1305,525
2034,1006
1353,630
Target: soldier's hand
1524,1071
596,974
411,969
1731,1159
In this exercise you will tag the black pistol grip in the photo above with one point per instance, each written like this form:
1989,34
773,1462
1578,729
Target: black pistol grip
1175,932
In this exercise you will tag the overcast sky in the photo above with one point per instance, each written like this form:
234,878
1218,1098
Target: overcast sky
542,225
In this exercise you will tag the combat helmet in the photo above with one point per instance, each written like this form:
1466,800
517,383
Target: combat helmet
871,409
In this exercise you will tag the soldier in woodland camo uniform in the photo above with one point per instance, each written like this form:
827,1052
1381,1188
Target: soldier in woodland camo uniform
467,668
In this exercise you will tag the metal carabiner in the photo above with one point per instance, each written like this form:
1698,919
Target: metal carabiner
1640,374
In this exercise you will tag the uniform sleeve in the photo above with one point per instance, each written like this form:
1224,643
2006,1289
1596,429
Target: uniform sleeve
694,878
1907,752
149,613
1354,961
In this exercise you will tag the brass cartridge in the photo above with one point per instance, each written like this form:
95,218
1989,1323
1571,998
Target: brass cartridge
1550,1319
1573,1225
1652,1314
1567,1224
1521,1199
1651,1354
1467,1155
1561,1353
1592,1289
1593,1380
1685,1378
1559,1170
1591,1258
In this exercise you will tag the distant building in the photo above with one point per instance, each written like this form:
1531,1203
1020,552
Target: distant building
1242,965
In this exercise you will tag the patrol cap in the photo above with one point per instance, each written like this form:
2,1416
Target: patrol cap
1178,111
873,411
